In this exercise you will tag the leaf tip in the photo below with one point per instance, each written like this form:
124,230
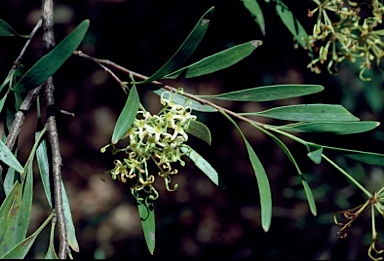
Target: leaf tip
74,246
256,43
266,228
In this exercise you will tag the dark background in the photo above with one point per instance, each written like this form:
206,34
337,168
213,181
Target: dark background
199,220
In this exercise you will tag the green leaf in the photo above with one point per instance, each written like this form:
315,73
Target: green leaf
21,250
127,115
71,233
179,99
204,166
186,49
43,163
368,158
7,30
200,130
47,65
254,8
10,179
262,181
51,253
147,216
6,81
362,156
264,188
9,119
7,157
293,25
2,101
17,216
309,195
216,62
341,128
268,93
308,113
315,155
5,209
307,189
18,100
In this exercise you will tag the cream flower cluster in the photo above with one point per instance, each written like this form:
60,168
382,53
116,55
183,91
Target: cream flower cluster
344,31
156,137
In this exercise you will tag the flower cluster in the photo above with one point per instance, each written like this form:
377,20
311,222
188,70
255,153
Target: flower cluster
347,30
157,138
376,201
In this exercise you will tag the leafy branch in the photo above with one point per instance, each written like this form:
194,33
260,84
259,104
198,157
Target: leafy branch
311,117
19,195
159,138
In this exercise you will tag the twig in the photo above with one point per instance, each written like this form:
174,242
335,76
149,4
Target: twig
27,102
37,26
168,87
48,44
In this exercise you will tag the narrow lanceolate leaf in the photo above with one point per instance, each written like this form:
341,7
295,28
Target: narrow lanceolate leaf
147,216
262,181
254,8
8,158
127,115
21,250
216,62
315,155
180,99
362,156
307,189
308,113
293,25
204,166
52,61
7,30
268,93
264,188
71,233
309,195
368,158
186,49
341,128
17,216
200,130
43,163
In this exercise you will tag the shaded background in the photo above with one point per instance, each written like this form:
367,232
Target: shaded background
199,220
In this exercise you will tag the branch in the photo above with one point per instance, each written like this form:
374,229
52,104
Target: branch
20,116
48,44
101,62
